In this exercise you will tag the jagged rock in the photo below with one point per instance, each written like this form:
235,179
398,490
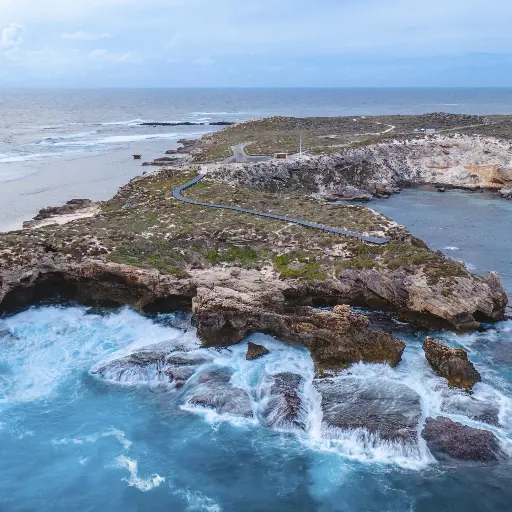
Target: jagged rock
445,437
506,193
224,316
468,405
348,193
284,409
213,390
255,351
70,207
465,161
151,367
384,408
451,363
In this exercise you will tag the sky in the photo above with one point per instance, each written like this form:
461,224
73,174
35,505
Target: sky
255,43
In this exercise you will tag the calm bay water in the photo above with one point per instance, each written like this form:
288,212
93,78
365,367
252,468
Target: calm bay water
71,441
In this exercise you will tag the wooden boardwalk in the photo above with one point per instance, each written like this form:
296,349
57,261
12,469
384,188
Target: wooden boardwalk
177,194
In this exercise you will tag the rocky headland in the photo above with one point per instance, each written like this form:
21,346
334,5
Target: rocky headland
382,169
238,274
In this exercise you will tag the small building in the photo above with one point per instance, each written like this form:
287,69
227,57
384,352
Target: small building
281,156
430,131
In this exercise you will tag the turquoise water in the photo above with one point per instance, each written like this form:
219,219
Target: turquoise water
72,441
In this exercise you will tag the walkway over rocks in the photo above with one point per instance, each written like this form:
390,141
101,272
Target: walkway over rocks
177,193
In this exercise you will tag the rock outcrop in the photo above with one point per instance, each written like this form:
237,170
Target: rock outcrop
388,410
382,168
336,339
158,366
284,409
445,437
213,390
228,306
451,363
460,302
255,351
70,207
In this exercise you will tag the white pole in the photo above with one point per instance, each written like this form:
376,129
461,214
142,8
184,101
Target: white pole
300,151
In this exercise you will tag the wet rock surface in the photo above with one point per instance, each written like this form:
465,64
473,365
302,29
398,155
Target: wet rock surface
151,367
255,351
213,390
451,363
383,408
445,437
284,409
475,409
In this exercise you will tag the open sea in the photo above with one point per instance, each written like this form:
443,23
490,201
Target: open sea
70,440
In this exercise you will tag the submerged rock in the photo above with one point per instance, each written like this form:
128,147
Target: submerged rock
213,390
383,408
451,363
285,409
255,351
447,437
468,405
151,367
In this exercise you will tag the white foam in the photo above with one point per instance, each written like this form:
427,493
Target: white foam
22,158
132,122
70,137
451,248
93,438
198,502
52,342
143,484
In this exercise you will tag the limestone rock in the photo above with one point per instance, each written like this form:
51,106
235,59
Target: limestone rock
445,437
468,405
284,409
465,161
224,316
156,366
213,390
255,351
451,363
383,408
70,207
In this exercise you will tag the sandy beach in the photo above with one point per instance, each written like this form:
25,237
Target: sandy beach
53,181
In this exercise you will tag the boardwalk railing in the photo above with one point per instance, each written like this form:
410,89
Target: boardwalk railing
351,234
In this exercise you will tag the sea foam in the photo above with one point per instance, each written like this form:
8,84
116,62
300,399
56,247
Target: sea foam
143,484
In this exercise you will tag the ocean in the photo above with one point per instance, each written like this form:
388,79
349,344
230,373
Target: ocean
57,145
72,441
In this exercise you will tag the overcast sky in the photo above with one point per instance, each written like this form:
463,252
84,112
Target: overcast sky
204,43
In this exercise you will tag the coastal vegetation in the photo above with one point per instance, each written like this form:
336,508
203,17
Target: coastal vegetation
329,135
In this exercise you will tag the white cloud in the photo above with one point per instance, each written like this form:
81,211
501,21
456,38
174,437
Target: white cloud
85,36
204,61
12,36
104,56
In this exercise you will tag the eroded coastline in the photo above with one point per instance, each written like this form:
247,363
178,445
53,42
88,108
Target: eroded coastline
240,275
